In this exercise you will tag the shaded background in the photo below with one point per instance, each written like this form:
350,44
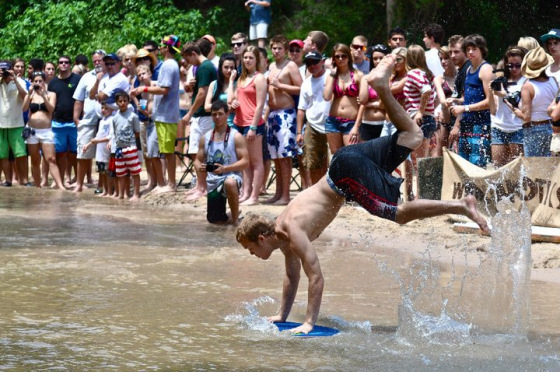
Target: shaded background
49,28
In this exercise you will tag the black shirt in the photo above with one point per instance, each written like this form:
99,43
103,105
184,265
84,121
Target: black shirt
64,89
460,80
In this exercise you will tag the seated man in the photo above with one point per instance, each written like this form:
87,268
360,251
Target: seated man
360,173
222,155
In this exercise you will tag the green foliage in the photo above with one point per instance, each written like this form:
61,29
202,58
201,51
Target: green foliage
47,29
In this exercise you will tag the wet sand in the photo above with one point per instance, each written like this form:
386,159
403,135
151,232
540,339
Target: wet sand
353,224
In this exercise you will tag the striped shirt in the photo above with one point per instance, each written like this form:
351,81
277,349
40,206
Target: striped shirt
416,83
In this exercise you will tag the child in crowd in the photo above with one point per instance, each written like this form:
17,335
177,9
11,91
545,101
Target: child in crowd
148,134
126,128
106,185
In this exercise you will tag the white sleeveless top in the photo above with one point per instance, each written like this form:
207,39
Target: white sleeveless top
220,152
545,92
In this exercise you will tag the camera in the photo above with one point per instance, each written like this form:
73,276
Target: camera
211,166
36,87
498,83
27,132
513,98
5,73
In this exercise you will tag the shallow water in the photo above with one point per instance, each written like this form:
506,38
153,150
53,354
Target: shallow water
88,284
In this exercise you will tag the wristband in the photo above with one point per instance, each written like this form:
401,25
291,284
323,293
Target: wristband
467,108
145,89
253,128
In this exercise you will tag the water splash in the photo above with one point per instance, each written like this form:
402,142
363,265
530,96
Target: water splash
504,276
252,320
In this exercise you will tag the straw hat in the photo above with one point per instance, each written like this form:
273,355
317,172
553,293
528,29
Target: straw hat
535,62
142,53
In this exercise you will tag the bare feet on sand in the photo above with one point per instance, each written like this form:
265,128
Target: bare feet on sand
162,190
250,202
196,195
472,212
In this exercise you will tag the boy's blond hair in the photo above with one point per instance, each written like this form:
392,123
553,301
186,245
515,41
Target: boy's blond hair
252,226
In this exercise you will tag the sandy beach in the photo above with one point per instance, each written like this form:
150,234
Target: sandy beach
354,224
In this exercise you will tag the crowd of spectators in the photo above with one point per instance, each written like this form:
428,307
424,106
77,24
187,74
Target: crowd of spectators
245,113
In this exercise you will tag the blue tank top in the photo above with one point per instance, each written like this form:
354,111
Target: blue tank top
474,92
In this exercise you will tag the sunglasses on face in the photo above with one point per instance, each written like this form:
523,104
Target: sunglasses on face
513,65
233,45
399,60
341,56
109,64
295,50
63,62
359,47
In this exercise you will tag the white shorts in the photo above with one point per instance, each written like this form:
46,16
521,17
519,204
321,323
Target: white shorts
85,134
258,31
41,136
199,127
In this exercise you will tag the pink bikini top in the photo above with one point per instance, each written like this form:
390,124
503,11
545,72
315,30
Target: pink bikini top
350,91
372,94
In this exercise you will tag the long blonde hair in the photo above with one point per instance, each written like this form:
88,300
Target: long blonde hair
416,58
255,51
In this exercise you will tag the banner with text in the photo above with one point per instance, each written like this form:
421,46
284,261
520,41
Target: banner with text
533,181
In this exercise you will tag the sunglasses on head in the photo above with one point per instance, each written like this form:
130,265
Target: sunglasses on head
380,48
513,65
236,44
359,47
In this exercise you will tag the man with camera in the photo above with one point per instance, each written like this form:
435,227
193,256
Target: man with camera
12,94
222,155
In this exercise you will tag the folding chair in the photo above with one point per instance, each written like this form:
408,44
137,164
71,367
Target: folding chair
293,180
185,160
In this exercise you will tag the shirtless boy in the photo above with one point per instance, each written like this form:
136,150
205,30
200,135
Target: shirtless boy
359,173
284,81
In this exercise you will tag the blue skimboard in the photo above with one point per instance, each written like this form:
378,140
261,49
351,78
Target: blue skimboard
318,331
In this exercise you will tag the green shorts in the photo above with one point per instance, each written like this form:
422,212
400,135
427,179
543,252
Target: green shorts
10,138
166,133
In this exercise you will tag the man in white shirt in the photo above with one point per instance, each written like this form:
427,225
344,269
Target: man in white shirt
313,107
434,35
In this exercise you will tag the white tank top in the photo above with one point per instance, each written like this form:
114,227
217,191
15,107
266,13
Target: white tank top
545,92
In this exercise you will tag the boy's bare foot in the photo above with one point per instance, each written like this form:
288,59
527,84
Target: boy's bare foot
135,198
472,212
379,77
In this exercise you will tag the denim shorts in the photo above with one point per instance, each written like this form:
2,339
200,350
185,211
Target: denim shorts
429,126
499,137
334,124
536,140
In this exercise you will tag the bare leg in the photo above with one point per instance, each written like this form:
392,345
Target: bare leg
233,199
22,169
62,162
35,164
335,141
50,157
136,194
424,208
44,172
257,166
410,134
171,184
